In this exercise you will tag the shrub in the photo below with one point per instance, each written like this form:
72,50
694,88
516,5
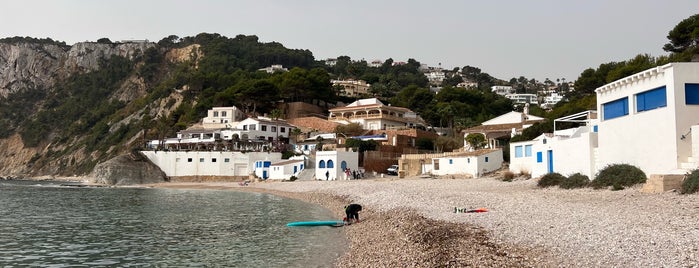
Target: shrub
525,174
508,176
551,179
618,176
293,178
691,182
576,180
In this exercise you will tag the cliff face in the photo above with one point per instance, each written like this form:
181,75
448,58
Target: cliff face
40,66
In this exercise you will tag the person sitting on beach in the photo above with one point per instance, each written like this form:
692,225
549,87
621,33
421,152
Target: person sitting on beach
352,211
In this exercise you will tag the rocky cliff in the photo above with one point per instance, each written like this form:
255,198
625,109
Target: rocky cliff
40,66
126,170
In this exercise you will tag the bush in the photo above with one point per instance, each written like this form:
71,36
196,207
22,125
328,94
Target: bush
508,176
551,179
691,182
293,178
618,176
576,180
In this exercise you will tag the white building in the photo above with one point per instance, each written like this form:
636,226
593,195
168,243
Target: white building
285,169
467,84
474,164
201,164
261,128
331,165
373,114
649,120
503,127
222,117
274,68
523,98
502,90
435,77
551,100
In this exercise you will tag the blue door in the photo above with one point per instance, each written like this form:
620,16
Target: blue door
264,174
295,169
549,153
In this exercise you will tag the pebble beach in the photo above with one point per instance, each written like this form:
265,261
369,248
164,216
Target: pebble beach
422,222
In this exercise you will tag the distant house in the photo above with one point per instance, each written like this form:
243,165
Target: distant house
331,165
199,165
502,90
285,169
523,98
274,69
503,127
352,88
373,114
222,117
648,120
473,164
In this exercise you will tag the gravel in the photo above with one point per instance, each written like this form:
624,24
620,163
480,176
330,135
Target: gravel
413,222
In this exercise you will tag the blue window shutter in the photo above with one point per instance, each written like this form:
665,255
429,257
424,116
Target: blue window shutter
539,157
691,93
617,108
651,99
595,129
321,164
330,164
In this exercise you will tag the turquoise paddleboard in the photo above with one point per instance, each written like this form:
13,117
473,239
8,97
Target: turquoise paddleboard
316,223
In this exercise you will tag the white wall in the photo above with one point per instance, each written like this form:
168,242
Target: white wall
570,155
468,165
335,173
176,164
284,172
650,139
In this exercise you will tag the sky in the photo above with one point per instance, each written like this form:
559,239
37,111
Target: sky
507,38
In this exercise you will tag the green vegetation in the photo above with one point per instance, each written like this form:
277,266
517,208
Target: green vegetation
476,140
618,176
576,180
691,182
550,179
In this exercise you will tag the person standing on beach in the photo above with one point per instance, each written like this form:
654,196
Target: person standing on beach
352,211
327,175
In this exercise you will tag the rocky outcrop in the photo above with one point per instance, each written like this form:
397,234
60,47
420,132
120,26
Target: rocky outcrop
40,66
128,169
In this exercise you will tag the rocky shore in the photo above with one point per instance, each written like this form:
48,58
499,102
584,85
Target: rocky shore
419,223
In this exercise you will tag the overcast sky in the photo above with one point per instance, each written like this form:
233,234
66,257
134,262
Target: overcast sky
507,38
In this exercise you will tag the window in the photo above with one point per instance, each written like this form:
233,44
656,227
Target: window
266,164
189,160
177,159
435,164
213,160
539,157
226,160
691,93
263,127
245,127
651,99
451,161
223,114
282,129
201,160
321,164
528,150
330,164
215,114
468,160
486,159
518,151
252,127
617,108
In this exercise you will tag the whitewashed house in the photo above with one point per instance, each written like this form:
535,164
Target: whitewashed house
503,127
474,164
331,165
649,120
502,90
262,168
222,117
285,169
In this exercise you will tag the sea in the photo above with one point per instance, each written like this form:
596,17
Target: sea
51,224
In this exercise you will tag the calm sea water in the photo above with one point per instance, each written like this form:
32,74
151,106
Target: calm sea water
47,225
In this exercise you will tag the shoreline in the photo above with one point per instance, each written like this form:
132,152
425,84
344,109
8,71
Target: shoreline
415,222
400,237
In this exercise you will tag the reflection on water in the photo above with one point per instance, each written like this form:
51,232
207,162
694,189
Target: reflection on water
46,225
